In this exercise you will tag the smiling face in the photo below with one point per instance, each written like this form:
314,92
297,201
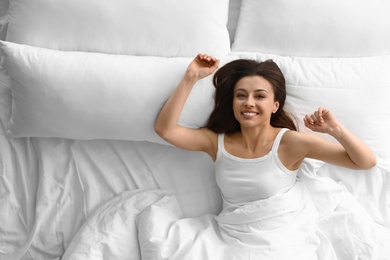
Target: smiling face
253,101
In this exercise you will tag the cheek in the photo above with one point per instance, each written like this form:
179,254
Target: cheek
235,104
236,108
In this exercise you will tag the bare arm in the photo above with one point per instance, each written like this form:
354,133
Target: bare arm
350,152
167,122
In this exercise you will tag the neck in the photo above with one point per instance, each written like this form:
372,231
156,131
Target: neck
259,136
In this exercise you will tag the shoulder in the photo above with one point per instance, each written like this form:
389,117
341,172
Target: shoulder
291,151
296,137
300,143
296,146
301,139
306,144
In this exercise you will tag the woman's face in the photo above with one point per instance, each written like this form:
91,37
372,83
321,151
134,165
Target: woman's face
253,101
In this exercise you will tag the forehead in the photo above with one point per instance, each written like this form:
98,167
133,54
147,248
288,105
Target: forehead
253,83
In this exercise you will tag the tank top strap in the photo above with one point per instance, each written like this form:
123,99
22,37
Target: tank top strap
221,138
278,138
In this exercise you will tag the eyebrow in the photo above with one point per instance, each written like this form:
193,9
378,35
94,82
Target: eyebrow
257,90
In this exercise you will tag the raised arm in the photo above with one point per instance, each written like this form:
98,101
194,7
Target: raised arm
351,152
167,122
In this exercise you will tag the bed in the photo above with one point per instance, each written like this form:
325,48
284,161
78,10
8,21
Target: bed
83,175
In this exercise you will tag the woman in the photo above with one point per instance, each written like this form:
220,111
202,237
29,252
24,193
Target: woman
255,92
257,153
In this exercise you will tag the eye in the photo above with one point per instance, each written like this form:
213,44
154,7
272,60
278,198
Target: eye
240,95
259,96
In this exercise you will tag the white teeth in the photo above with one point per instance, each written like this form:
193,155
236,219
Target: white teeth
249,114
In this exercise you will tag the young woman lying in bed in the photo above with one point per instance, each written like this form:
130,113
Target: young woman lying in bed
249,109
253,141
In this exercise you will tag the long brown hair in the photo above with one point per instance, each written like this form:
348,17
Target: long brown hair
222,118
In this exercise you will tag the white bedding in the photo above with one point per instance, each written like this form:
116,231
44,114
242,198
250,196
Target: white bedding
67,181
288,226
111,199
50,185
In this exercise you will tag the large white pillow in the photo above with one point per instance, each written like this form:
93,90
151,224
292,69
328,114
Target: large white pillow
80,95
347,28
357,90
148,27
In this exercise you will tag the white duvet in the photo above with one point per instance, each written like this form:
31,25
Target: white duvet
316,219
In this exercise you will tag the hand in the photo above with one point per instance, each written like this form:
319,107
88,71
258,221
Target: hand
323,121
202,66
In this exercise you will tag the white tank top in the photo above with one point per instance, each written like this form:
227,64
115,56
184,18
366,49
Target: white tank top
244,180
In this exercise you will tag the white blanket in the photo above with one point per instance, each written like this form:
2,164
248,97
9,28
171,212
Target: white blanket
149,224
281,227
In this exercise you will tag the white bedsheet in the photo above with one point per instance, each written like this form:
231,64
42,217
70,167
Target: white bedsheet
282,227
18,183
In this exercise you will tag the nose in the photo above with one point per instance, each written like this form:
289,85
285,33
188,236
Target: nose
249,102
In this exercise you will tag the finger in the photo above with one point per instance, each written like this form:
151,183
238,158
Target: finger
324,112
205,57
200,56
319,110
320,113
307,123
314,118
216,63
309,120
203,60
317,117
212,61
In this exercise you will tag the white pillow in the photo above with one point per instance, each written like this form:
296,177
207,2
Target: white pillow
357,90
148,27
234,12
3,19
347,28
3,7
80,95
